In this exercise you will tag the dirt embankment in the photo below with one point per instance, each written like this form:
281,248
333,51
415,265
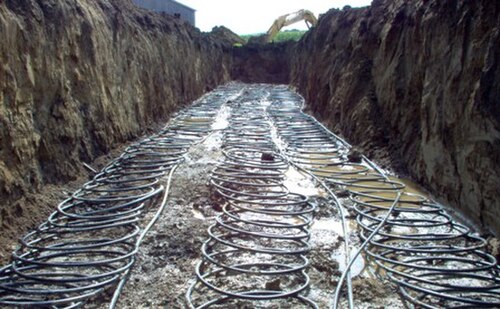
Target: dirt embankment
79,77
421,79
263,63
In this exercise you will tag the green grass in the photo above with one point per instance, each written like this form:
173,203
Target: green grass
289,35
286,35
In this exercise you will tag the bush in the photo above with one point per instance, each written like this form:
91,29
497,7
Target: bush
287,35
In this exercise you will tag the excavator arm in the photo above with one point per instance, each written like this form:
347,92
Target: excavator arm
289,19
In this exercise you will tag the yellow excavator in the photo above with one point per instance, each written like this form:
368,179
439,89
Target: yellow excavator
289,19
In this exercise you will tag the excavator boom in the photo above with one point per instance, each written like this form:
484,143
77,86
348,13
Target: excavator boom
289,19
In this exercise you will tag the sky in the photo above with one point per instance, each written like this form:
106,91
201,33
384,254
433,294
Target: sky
256,16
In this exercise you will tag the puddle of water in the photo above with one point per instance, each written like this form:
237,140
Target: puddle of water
221,121
213,142
265,103
358,266
198,120
328,228
410,186
298,183
197,214
331,225
343,171
193,137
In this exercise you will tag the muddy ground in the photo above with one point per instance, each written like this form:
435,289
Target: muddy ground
169,254
167,259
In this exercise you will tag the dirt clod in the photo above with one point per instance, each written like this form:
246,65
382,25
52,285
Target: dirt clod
273,285
355,155
267,157
370,289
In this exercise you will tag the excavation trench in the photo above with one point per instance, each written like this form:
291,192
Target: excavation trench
255,168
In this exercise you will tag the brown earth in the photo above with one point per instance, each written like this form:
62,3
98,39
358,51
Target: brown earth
78,78
420,79
258,63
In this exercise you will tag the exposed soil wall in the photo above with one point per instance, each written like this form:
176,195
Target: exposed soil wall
263,63
420,78
79,77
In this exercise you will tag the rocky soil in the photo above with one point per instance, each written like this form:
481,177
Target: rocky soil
78,78
420,79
